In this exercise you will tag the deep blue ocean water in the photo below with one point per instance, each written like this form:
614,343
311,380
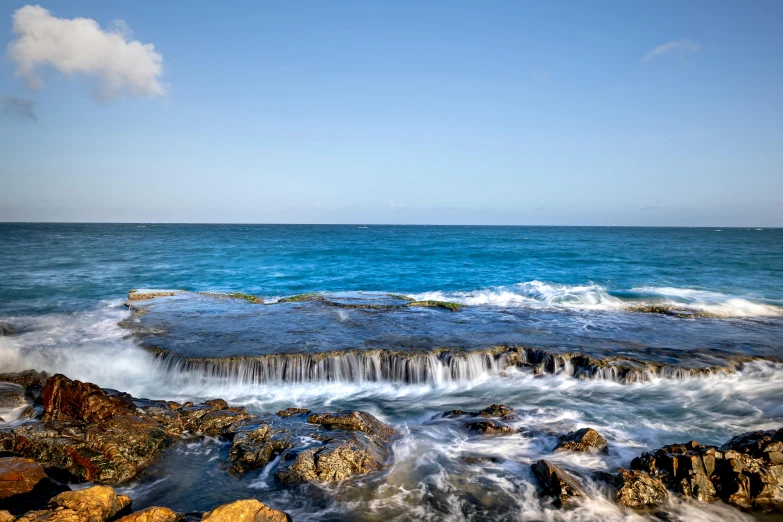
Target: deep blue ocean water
49,267
62,289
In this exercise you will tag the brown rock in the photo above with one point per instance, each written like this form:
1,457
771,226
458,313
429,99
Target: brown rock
637,489
292,411
19,476
684,468
95,504
585,440
64,399
489,427
245,511
151,514
353,420
556,482
341,457
137,295
5,516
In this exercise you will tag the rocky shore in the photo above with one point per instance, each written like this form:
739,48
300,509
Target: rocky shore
73,432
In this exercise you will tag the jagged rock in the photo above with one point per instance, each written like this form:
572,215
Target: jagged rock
292,411
327,447
105,436
745,472
496,411
151,514
489,427
684,468
585,440
67,400
256,442
245,511
95,504
499,411
637,489
27,378
353,420
12,395
556,482
340,457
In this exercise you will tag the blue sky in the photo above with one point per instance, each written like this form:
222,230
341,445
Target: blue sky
550,113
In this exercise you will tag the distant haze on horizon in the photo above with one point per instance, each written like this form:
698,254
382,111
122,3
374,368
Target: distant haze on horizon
468,113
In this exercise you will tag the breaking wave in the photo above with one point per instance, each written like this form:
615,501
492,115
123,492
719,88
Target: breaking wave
538,294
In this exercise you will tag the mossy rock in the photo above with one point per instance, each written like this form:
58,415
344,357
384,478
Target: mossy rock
437,304
247,297
310,296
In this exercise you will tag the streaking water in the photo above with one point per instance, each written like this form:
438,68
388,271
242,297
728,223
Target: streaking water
63,286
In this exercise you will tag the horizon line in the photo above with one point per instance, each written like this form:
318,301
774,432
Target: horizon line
198,223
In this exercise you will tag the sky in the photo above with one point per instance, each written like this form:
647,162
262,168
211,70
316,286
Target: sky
663,113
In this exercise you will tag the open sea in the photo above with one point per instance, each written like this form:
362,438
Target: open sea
670,302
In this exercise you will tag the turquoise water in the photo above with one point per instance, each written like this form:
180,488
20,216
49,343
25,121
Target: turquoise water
62,266
62,289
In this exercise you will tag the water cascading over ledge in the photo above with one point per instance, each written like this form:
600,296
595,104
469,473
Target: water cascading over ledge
439,367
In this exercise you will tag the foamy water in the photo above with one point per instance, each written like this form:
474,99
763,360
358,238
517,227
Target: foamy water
428,479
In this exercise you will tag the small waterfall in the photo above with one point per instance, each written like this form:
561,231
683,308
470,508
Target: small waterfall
436,368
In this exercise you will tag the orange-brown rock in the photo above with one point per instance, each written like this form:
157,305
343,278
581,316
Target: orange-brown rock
152,514
245,511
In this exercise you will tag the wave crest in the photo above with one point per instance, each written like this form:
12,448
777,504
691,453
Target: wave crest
678,301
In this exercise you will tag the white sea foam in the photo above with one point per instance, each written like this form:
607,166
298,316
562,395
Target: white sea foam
538,294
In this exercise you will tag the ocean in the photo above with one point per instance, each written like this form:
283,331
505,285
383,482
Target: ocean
691,318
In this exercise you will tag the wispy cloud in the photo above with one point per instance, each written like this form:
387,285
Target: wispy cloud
117,65
399,205
13,107
684,45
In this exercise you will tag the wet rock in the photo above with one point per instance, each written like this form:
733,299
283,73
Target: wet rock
245,511
684,468
746,471
141,295
478,459
12,395
555,482
220,422
353,420
151,514
256,442
64,399
637,489
585,440
26,378
19,476
499,411
292,411
340,457
95,504
495,411
86,435
490,427
324,447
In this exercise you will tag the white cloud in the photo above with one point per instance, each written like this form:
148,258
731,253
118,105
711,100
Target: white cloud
117,66
676,46
399,205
